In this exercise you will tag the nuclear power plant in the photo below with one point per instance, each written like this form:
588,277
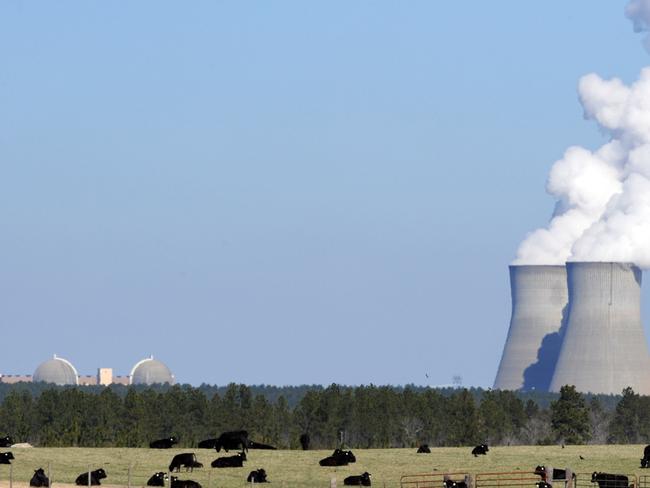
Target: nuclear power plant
577,325
539,298
60,371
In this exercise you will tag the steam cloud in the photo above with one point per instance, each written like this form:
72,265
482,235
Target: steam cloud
603,197
638,11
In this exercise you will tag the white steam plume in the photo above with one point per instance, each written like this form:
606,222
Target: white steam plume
603,209
638,11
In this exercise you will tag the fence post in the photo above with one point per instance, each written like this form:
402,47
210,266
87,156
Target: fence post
333,482
209,479
128,477
11,475
89,475
49,476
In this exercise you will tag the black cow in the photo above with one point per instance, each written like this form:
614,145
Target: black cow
187,460
237,439
6,441
338,458
6,457
645,461
449,483
361,480
236,461
607,480
480,449
95,476
208,444
257,476
304,441
543,484
39,479
163,443
257,445
157,479
176,483
424,449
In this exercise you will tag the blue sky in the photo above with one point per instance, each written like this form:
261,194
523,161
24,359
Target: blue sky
283,192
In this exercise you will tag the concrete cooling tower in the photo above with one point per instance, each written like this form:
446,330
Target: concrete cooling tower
604,348
539,298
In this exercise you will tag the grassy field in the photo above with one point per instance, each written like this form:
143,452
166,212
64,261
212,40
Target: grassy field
293,469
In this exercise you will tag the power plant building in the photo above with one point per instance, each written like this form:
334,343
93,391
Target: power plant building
539,297
604,348
150,371
60,371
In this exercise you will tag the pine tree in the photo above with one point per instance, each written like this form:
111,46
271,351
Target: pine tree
570,417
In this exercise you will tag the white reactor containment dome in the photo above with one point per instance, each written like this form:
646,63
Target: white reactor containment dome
150,371
604,348
58,371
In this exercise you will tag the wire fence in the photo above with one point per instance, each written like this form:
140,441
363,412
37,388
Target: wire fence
139,476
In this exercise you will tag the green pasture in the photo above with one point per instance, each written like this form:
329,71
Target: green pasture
293,469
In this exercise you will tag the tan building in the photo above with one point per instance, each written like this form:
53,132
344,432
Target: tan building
15,378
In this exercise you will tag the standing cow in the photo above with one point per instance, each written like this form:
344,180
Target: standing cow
304,441
186,460
237,439
6,441
607,480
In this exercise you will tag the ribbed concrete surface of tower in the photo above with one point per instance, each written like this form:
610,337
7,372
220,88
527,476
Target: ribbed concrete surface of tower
539,297
604,348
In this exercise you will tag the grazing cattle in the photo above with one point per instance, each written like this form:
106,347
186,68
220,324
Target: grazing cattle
361,480
95,476
6,441
607,480
449,483
237,439
6,457
187,460
258,445
176,483
304,441
157,479
480,449
645,461
208,444
257,476
424,449
39,479
163,443
236,461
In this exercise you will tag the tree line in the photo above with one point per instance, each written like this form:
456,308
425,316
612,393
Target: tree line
362,417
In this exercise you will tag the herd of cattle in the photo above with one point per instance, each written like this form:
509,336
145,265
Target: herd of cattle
235,440
238,440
